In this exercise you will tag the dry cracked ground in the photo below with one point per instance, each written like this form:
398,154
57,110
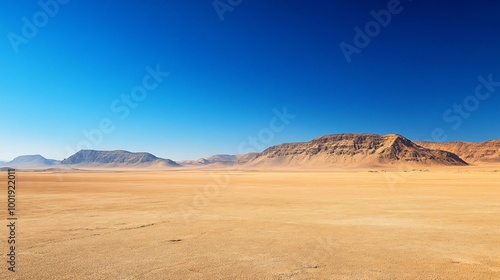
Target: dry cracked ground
438,224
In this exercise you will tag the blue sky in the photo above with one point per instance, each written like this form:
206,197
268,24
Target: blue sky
226,77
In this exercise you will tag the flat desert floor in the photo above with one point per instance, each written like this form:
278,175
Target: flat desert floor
441,224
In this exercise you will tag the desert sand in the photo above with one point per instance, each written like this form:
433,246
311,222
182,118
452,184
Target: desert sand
351,224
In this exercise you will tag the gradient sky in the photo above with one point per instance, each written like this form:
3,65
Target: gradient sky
227,76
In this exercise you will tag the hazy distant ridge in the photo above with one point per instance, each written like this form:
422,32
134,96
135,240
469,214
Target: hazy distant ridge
30,161
117,158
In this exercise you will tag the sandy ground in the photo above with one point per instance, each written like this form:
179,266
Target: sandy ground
257,225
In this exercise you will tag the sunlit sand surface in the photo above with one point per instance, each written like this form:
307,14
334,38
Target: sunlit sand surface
438,224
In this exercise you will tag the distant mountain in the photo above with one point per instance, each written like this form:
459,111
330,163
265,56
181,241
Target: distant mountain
351,150
482,152
215,159
222,158
337,150
188,162
31,161
93,158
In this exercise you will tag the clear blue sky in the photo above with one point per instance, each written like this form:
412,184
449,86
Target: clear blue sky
225,77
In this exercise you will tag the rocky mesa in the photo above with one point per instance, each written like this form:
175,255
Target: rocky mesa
352,150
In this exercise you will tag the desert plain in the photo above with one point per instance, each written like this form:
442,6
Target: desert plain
250,224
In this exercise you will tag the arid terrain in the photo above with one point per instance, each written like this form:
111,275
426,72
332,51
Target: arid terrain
201,224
